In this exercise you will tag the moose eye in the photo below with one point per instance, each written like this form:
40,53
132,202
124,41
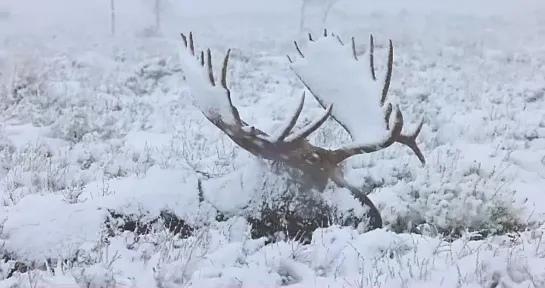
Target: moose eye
312,158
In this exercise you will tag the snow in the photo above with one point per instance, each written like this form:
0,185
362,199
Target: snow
59,230
93,124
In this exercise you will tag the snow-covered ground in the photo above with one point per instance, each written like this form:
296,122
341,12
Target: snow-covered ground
98,129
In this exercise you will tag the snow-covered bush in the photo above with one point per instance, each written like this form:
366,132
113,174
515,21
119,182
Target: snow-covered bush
95,276
452,197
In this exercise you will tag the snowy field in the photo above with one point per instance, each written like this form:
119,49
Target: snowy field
99,135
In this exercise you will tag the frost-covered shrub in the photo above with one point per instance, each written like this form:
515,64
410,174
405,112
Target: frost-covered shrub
95,276
75,111
78,94
22,84
455,197
33,169
77,122
43,168
149,75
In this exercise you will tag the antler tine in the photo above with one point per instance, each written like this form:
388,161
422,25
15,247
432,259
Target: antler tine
371,56
289,59
353,40
334,35
388,73
339,39
298,49
209,66
286,130
395,136
418,129
224,70
184,39
310,128
410,140
191,44
223,82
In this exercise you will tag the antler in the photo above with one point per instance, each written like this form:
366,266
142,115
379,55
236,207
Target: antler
215,103
365,122
288,146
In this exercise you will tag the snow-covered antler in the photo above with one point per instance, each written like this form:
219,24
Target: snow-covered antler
291,147
332,72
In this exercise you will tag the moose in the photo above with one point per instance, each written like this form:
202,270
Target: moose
348,92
